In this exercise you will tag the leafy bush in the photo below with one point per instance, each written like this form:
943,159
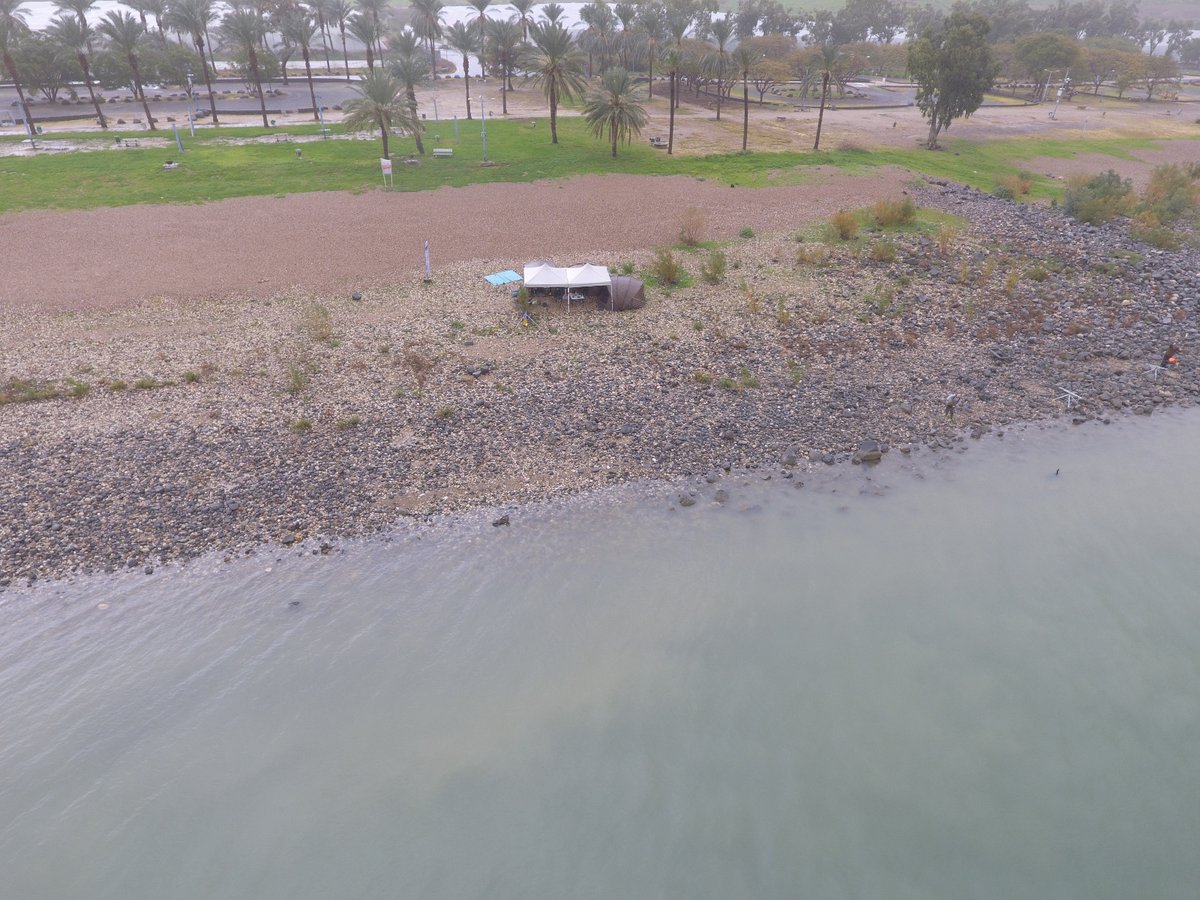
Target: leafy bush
844,225
1014,185
1004,192
1172,194
1098,199
746,233
665,268
1150,231
894,212
691,232
713,270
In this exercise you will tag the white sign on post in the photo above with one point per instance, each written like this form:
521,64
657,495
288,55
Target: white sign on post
386,166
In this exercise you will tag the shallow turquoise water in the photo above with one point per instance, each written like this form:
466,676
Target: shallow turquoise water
961,677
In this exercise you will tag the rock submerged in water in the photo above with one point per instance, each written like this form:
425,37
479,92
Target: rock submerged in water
869,451
503,520
687,500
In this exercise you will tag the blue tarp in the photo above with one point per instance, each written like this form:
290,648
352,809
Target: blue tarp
500,278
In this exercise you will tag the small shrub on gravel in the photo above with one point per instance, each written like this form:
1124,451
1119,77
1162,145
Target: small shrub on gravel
844,225
1150,231
691,231
117,385
1013,185
191,377
714,269
812,255
1004,192
746,378
665,268
348,423
145,383
702,377
889,213
295,380
445,412
417,363
746,233
302,425
26,390
945,237
884,251
626,268
316,323
1098,199
1037,273
727,384
78,389
1171,194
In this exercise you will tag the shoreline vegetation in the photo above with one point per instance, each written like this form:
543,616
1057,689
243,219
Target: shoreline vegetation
163,431
247,162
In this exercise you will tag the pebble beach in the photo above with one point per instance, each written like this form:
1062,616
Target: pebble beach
172,426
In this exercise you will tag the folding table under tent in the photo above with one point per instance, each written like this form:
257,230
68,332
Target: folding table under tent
544,275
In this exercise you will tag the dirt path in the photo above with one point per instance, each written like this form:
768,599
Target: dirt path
340,242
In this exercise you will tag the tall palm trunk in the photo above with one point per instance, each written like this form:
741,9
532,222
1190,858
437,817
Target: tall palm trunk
212,100
325,42
718,96
370,57
412,108
467,82
505,87
671,106
650,82
12,73
386,153
432,60
262,98
141,91
554,115
821,114
87,78
312,92
745,110
612,132
212,60
345,54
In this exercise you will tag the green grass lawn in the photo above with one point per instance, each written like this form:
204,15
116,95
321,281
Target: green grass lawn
211,169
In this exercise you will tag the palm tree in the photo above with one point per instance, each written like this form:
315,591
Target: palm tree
340,12
524,19
465,41
427,23
557,65
626,14
192,18
678,21
410,69
672,59
366,32
372,10
158,9
652,20
320,9
615,109
381,104
243,29
79,9
75,38
12,29
480,7
744,59
721,31
551,13
124,34
300,30
506,51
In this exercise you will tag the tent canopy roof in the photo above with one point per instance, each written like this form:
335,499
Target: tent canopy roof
547,276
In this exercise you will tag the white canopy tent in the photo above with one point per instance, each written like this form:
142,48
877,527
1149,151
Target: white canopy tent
544,275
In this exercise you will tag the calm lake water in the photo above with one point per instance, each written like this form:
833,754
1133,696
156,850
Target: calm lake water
961,677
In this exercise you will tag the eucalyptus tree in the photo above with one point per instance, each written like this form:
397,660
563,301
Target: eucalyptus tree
551,13
464,41
427,23
243,29
299,29
615,108
411,69
744,58
192,18
953,68
652,21
76,38
556,64
506,45
524,9
381,103
124,34
340,13
13,27
364,30
721,32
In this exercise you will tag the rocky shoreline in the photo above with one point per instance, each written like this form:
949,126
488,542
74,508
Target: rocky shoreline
172,430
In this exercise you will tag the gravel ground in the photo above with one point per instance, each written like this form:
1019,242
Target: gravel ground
296,417
333,243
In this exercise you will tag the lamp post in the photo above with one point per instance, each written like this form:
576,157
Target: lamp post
1062,88
321,115
191,104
